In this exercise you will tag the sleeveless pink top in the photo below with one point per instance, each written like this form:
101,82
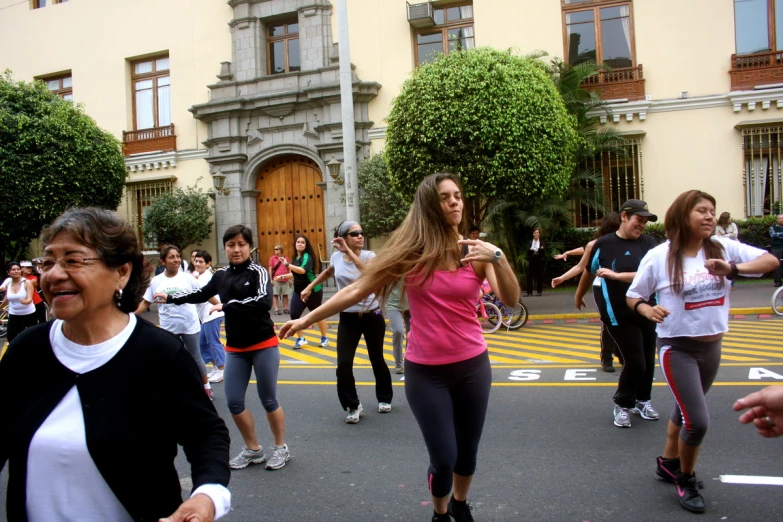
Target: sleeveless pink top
444,328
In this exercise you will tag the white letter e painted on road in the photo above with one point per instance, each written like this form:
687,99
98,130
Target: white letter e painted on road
578,375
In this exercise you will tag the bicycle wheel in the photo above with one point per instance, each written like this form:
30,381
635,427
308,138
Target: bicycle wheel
777,301
490,320
518,317
3,329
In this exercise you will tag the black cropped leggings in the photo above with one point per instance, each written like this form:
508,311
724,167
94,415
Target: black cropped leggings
449,402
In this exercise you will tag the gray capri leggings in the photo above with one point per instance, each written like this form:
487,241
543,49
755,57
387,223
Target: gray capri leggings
236,377
400,322
689,367
194,349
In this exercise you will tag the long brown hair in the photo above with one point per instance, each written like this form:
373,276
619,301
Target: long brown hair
678,231
723,220
424,241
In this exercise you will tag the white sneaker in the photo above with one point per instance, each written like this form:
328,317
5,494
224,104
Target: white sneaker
354,415
324,342
299,343
216,376
384,407
211,372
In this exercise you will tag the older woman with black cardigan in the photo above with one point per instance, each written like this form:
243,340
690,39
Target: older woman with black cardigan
92,433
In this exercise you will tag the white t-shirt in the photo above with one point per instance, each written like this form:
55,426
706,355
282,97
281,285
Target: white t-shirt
702,305
63,482
177,319
346,273
204,308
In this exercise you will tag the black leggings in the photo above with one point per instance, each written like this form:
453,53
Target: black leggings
608,346
298,306
635,337
40,312
449,402
18,323
349,332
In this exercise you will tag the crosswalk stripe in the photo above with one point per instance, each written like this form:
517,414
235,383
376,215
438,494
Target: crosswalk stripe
747,342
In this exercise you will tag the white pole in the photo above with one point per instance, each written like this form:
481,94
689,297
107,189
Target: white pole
349,127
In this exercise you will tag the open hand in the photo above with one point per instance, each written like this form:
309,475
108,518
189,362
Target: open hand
765,410
217,308
291,327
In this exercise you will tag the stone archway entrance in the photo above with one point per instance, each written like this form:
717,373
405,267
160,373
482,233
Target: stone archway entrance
289,203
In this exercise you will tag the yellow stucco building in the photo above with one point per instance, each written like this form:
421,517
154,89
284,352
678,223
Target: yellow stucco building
249,90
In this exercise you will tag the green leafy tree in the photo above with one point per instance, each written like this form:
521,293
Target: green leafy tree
382,208
494,118
52,156
181,217
512,221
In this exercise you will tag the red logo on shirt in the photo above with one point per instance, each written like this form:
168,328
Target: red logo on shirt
704,304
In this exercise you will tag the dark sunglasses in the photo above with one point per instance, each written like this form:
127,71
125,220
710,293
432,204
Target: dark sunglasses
355,233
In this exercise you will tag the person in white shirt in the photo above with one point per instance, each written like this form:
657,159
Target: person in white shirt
688,275
209,339
92,433
182,321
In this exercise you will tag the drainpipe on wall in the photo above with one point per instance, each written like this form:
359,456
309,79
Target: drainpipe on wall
349,125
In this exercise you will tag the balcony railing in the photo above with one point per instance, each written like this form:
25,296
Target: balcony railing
751,70
626,83
155,139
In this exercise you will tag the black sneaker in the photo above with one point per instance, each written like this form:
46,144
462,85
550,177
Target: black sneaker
460,511
688,493
667,470
607,366
440,517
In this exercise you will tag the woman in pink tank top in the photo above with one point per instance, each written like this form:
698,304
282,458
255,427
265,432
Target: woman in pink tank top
447,371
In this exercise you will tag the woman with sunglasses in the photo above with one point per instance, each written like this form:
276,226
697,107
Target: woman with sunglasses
361,318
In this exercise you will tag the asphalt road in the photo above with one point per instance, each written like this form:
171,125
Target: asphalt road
549,451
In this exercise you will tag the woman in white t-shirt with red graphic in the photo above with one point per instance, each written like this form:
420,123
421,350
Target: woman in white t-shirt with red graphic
689,275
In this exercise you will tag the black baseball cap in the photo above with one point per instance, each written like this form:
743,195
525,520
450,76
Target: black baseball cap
638,207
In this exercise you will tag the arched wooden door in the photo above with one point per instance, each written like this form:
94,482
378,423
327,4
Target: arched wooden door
290,203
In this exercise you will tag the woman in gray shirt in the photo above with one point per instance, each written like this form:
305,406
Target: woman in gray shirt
364,318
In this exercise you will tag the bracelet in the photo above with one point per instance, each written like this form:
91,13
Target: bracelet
636,306
734,271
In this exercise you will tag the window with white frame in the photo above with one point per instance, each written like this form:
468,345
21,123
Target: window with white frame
762,170
151,93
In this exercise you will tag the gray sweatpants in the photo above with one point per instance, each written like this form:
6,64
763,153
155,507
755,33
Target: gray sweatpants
690,368
396,320
194,349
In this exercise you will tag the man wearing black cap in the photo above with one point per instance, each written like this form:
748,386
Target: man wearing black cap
615,259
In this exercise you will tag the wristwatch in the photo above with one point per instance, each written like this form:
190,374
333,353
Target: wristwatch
497,255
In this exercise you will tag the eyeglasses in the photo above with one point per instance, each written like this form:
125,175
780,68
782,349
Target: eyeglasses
278,248
356,233
69,264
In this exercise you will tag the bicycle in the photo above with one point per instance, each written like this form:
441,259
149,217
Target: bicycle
513,318
488,316
777,301
4,322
